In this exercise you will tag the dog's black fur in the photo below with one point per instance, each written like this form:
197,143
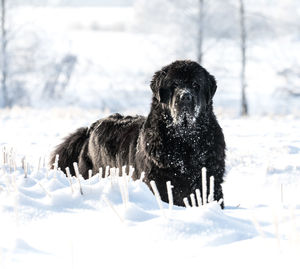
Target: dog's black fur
178,137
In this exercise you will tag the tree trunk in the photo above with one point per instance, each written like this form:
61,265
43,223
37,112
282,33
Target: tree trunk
244,111
4,101
201,28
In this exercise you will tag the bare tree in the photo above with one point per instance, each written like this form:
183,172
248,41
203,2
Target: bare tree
4,101
59,77
243,36
201,31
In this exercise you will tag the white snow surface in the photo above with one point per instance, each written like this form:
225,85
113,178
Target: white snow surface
43,224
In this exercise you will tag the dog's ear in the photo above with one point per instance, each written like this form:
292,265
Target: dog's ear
212,87
156,85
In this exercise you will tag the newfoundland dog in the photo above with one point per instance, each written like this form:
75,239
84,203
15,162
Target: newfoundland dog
178,137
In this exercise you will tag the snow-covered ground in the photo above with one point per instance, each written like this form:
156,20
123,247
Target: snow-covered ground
44,224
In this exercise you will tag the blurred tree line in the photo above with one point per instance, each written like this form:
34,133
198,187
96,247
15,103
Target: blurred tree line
195,25
24,54
198,25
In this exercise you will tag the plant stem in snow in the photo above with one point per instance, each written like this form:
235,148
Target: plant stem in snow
55,165
170,195
4,155
10,164
211,189
106,172
68,172
23,163
80,188
131,171
142,176
75,165
193,200
123,170
157,195
198,196
25,167
204,187
70,178
186,202
78,176
100,173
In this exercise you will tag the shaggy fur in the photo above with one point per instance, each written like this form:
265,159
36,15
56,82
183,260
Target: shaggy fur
178,137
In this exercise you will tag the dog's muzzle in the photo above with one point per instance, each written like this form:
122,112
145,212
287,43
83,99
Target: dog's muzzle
183,109
184,102
185,97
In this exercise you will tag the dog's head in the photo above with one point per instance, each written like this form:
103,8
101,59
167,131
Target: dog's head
184,89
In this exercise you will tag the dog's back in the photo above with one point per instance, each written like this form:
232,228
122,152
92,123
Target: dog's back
113,141
110,142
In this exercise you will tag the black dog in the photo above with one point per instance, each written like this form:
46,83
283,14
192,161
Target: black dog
179,137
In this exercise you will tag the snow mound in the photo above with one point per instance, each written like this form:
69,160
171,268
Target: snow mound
47,222
43,192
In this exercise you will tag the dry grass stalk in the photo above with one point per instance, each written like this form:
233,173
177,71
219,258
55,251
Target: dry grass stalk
198,196
204,186
55,165
170,195
186,202
106,171
211,189
70,179
100,173
193,200
157,196
78,176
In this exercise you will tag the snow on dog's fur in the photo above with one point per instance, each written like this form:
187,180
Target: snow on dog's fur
178,137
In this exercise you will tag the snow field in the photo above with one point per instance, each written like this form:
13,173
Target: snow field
36,199
44,224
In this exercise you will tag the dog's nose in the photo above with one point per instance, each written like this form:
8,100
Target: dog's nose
186,97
